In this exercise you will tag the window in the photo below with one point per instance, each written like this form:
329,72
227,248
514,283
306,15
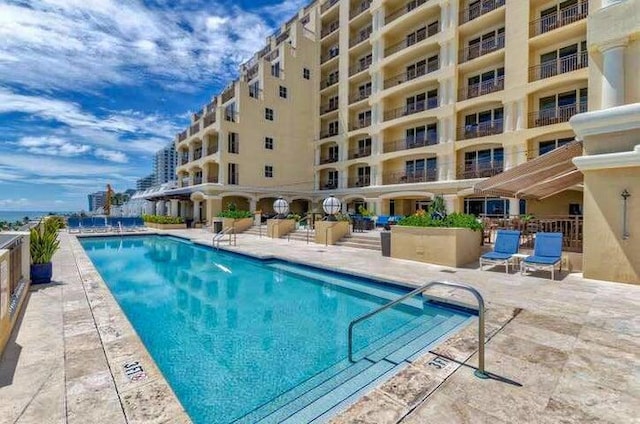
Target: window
365,61
333,153
268,171
233,174
364,147
420,170
283,92
254,89
268,114
230,112
332,180
364,119
333,128
275,69
549,145
306,73
424,135
575,209
234,143
268,143
364,176
483,163
484,123
364,90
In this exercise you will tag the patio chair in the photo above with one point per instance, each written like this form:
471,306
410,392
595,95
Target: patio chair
507,244
547,253
73,224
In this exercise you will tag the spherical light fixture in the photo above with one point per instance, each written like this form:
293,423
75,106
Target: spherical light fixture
281,207
331,206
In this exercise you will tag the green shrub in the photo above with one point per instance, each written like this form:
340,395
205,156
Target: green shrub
162,219
235,214
43,243
57,221
454,220
294,216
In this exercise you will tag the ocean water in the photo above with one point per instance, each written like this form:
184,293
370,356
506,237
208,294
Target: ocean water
13,216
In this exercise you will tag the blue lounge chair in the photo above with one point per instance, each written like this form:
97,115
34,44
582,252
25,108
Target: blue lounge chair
507,244
73,223
547,253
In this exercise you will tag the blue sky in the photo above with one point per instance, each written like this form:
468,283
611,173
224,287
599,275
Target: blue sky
89,89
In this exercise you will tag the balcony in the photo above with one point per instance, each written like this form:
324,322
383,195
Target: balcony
328,133
273,54
183,182
411,109
212,179
480,170
408,143
557,115
559,19
329,55
478,9
329,107
197,153
228,93
360,123
403,177
329,185
209,119
327,5
411,75
482,48
408,7
362,35
364,5
280,38
481,129
330,28
251,73
197,180
212,149
408,42
559,66
360,152
328,159
359,67
358,95
184,159
194,128
480,89
329,81
182,136
211,106
361,181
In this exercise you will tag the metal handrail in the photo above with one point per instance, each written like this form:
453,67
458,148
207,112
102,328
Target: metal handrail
480,372
218,236
307,217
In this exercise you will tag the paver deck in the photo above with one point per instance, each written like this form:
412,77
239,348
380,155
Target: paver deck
573,345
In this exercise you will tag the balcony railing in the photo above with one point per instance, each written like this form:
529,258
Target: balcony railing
273,54
184,160
329,81
360,152
408,42
482,88
329,185
328,133
252,72
327,5
480,49
480,170
479,9
481,129
559,66
411,109
194,128
361,36
228,94
408,7
407,144
330,28
360,123
213,179
211,106
197,180
364,5
328,159
362,181
565,16
197,153
329,55
358,95
182,136
557,115
329,107
403,177
183,182
359,67
212,149
209,119
280,38
411,75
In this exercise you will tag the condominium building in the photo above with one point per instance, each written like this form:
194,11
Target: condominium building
389,103
165,162
146,182
96,200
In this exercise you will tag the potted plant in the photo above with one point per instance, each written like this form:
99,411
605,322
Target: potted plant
43,244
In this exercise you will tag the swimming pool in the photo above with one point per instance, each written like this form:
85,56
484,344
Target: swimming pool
245,340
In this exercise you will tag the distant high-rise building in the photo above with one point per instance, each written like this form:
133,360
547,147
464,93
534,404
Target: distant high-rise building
164,164
146,182
96,200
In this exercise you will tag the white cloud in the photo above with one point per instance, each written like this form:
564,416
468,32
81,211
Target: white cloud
111,155
52,146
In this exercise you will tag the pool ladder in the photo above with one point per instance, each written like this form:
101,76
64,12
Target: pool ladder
219,236
480,372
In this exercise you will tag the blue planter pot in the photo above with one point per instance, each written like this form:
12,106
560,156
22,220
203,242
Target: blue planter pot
41,273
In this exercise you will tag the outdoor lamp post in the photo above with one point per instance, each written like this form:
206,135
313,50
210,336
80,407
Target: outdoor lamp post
625,228
281,207
331,206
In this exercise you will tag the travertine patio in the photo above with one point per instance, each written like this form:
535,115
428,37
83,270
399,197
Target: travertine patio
572,345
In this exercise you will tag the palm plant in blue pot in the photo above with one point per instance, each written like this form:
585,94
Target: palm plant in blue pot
44,243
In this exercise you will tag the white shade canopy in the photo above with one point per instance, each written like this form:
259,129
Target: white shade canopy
331,205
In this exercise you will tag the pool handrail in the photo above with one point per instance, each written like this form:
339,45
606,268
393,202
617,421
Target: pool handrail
219,236
480,372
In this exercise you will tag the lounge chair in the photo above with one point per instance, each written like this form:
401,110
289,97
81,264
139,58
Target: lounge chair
73,224
507,244
547,253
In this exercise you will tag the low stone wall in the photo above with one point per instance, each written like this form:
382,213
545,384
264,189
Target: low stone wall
239,225
453,247
277,228
165,226
329,232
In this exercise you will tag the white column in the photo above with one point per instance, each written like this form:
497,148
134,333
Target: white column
514,207
520,115
196,210
450,202
173,207
613,75
444,16
252,204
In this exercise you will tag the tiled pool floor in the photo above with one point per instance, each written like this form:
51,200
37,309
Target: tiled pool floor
572,344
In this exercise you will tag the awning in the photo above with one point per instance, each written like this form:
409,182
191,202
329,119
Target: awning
538,178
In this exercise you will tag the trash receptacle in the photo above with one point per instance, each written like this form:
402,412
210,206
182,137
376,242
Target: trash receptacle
385,241
217,226
189,222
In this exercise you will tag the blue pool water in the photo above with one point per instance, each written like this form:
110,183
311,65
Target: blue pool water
236,336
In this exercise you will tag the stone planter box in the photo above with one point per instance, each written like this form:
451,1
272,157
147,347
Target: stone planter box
329,232
452,247
277,228
239,225
165,226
